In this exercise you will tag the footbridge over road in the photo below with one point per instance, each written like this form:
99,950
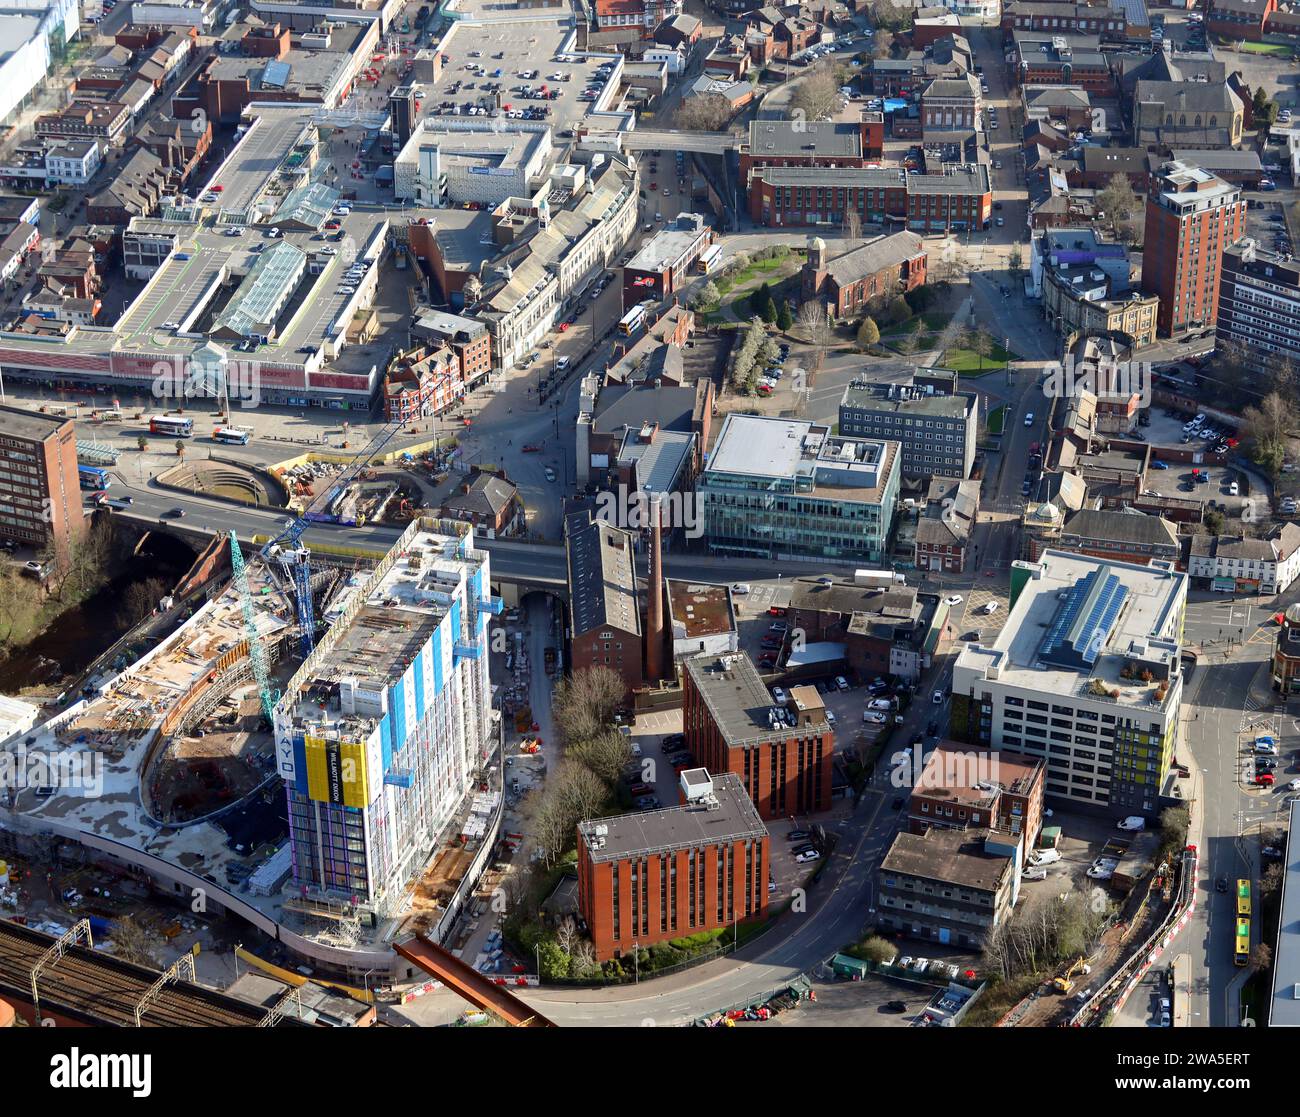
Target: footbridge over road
706,143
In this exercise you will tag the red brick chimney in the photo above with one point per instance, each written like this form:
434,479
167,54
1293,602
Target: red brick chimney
654,613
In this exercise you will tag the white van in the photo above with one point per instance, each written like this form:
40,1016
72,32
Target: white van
1042,857
561,364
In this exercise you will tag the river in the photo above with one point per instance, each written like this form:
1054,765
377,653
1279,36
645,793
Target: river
71,643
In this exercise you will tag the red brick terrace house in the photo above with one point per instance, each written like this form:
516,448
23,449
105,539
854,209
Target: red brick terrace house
422,381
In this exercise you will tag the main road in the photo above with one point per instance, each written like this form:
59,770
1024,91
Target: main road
534,563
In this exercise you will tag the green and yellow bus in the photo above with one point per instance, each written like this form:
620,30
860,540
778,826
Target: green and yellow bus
1243,899
1241,952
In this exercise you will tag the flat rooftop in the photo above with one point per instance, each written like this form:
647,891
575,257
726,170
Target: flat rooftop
18,422
952,856
728,817
1140,624
803,454
699,609
975,776
1284,1005
797,137
741,706
666,247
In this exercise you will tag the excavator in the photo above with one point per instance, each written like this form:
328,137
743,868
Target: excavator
1064,983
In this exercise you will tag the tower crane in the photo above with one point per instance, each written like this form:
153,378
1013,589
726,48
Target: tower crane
297,558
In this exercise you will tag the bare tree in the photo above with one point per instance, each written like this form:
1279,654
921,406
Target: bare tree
140,599
852,224
1120,203
882,44
132,943
708,112
816,94
566,934
584,704
606,754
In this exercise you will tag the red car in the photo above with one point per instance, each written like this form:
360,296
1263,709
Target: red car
217,189
563,326
532,448
654,186
1264,779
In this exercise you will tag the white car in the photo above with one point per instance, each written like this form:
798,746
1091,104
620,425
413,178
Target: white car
873,717
1232,489
880,704
841,682
830,717
991,608
954,599
739,589
1133,822
781,697
1294,785
807,855
1029,418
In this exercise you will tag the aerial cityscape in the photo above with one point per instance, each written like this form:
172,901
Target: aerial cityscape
622,513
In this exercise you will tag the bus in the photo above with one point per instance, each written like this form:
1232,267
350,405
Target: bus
632,321
172,425
1241,952
1243,898
93,477
232,435
709,259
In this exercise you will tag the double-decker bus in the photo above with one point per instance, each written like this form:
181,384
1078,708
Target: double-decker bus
232,435
93,477
1241,951
632,321
171,425
1243,898
709,259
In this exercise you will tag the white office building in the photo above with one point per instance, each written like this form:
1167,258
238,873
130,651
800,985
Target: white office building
1087,674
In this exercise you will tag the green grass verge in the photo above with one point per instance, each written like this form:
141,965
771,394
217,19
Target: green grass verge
1283,49
969,362
997,419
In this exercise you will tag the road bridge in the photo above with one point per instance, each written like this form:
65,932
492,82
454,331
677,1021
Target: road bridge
706,143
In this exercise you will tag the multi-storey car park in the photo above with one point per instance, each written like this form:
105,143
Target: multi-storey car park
383,740
263,262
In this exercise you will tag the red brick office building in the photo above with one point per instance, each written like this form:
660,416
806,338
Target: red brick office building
1191,217
782,754
657,875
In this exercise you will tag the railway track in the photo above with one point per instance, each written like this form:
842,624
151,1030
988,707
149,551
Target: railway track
106,989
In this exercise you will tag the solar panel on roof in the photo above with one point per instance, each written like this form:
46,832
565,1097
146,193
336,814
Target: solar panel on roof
1084,619
276,74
